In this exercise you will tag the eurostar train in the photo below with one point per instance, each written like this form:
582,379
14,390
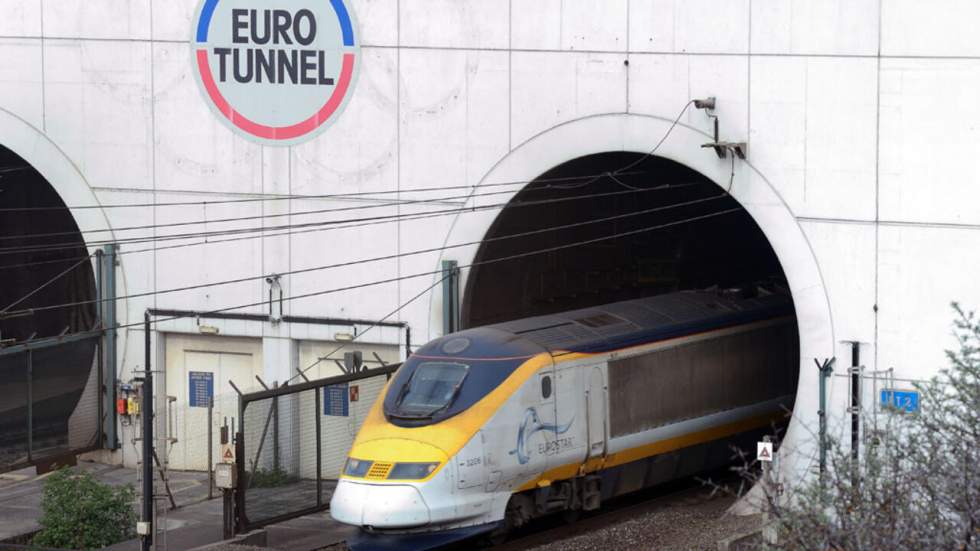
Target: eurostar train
483,430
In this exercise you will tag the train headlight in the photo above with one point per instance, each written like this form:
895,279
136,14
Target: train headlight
357,467
411,471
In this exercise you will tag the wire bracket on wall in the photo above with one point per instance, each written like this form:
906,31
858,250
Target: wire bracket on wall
722,149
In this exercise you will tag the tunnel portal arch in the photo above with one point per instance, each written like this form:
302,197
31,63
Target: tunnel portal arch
749,188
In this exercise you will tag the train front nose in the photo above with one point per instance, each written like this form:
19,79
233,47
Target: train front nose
378,505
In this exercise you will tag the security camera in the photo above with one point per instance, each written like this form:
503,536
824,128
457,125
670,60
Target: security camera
706,103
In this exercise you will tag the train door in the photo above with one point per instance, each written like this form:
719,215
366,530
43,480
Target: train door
536,433
595,410
549,420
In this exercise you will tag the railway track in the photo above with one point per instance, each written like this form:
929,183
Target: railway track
553,529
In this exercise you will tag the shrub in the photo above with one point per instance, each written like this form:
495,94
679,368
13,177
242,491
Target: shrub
916,484
79,512
270,478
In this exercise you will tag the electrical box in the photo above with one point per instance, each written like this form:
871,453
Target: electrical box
225,475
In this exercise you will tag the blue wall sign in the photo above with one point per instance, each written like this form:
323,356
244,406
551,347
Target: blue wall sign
905,400
201,389
336,400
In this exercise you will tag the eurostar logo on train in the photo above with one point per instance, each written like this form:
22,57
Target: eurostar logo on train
277,74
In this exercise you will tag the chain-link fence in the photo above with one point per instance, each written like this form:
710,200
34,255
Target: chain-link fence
293,442
50,403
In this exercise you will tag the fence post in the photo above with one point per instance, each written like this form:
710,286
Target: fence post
768,531
275,430
319,454
825,370
110,436
103,401
147,413
30,405
210,448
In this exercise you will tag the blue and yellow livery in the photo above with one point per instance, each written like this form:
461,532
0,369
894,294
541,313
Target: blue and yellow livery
482,430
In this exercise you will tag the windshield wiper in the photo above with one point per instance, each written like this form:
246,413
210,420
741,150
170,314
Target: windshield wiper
402,391
448,403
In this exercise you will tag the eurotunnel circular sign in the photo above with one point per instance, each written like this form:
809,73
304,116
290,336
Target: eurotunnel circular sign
276,72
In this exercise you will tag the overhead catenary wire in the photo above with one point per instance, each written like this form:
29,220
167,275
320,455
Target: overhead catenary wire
620,171
410,276
299,197
589,179
386,204
260,229
390,256
44,285
399,218
409,217
343,345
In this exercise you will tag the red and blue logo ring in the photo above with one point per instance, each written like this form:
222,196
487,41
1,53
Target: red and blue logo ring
277,132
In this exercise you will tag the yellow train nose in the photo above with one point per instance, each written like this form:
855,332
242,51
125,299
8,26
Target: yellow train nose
393,458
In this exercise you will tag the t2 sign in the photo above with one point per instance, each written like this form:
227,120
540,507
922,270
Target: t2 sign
276,75
903,400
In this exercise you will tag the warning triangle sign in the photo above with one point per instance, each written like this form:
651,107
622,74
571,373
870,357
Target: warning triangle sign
228,454
764,451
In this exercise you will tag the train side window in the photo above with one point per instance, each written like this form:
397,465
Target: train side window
546,387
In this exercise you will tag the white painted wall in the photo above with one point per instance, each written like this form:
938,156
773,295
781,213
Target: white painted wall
859,115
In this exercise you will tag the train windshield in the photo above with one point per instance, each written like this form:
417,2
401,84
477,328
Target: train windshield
432,388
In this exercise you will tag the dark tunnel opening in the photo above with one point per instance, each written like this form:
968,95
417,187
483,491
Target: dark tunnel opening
674,229
48,387
727,250
28,261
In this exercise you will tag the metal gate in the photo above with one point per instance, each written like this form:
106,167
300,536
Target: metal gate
52,402
293,441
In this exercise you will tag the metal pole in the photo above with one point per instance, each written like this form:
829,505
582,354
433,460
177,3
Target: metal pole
855,399
147,518
319,477
239,520
450,315
109,342
227,513
855,372
768,530
30,405
210,448
825,370
275,430
100,357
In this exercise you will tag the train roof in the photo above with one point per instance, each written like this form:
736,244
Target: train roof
631,322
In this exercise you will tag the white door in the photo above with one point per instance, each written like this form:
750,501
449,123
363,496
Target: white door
197,367
595,399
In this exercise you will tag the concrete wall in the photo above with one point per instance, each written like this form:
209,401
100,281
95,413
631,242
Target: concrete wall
859,118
